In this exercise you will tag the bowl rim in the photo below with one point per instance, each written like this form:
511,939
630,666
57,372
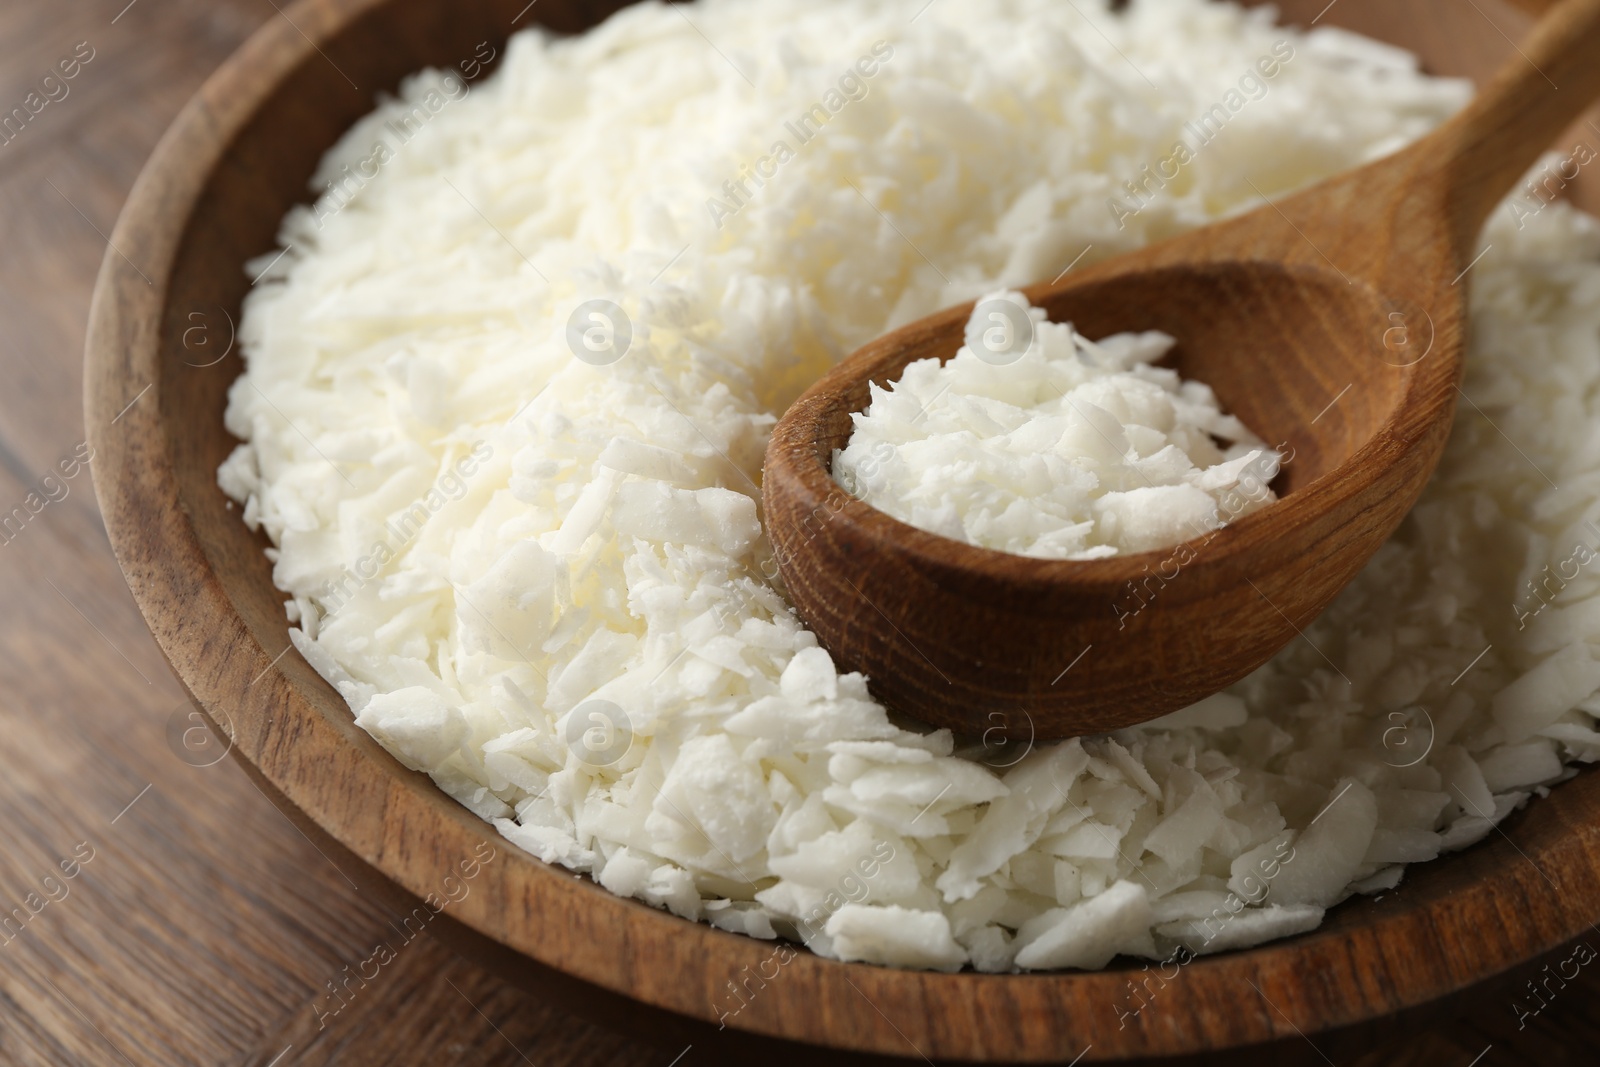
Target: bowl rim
1338,975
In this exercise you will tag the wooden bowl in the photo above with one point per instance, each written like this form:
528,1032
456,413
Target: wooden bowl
236,159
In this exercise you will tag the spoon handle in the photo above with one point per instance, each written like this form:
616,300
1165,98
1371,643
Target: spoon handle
1479,154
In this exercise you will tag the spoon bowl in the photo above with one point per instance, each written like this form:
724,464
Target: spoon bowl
1332,322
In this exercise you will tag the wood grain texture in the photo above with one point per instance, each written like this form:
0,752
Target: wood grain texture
1288,313
206,926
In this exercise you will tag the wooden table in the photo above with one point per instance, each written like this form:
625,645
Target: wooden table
204,928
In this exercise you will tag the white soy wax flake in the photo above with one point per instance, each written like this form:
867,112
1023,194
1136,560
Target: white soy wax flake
1036,441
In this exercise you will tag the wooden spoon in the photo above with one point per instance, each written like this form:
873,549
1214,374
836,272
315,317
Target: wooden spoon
1331,321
